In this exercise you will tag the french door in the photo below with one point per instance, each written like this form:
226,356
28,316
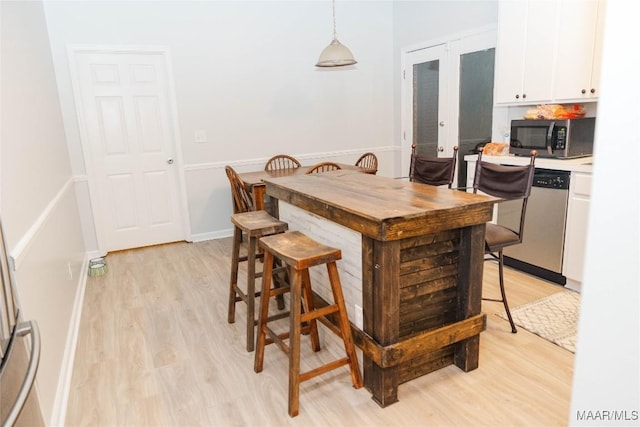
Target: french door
126,114
448,98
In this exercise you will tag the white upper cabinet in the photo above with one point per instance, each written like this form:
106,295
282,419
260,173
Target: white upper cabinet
524,51
579,45
547,51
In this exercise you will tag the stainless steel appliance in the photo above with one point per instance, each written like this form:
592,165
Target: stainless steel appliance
17,367
563,139
542,247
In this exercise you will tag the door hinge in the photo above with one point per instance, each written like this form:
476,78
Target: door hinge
404,74
404,135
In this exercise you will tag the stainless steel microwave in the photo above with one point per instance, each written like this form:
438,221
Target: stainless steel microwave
562,139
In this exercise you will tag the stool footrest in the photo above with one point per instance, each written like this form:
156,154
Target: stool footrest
279,291
244,258
277,339
278,316
274,271
242,296
319,312
324,368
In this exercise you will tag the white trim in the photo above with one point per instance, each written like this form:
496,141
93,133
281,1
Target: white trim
311,156
23,245
59,411
164,51
182,182
220,234
448,38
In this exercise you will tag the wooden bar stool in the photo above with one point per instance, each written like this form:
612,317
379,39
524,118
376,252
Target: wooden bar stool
255,224
299,252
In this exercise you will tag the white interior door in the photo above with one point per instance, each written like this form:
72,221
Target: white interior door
127,122
425,89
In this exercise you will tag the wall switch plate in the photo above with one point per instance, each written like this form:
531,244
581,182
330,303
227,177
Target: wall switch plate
201,136
359,321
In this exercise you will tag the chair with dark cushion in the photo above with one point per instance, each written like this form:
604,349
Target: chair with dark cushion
281,161
323,167
432,170
368,162
509,183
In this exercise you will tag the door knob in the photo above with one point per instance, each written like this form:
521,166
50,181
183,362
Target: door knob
440,149
441,124
169,161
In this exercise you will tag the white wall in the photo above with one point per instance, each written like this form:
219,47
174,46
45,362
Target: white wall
607,371
38,202
244,72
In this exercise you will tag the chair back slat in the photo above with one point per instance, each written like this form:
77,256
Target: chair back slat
324,167
368,162
432,170
280,162
242,198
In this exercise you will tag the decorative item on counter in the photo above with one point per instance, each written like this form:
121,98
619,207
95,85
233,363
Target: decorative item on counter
495,149
97,267
555,111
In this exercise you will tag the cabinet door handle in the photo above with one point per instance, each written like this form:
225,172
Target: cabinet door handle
592,90
584,91
517,96
524,95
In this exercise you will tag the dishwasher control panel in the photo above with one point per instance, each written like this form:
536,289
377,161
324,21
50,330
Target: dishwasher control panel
547,178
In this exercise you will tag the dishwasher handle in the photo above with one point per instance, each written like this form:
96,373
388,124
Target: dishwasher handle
23,329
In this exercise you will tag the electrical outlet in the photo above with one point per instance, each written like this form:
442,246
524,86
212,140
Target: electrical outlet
359,321
201,136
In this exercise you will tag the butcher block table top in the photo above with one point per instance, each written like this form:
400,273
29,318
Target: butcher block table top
379,207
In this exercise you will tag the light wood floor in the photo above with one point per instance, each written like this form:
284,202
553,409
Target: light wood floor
155,349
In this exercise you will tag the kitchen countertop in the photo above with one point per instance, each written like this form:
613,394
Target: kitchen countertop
582,164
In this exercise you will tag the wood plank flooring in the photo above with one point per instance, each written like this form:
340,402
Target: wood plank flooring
155,349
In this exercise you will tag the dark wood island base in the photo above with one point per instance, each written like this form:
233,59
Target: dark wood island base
422,264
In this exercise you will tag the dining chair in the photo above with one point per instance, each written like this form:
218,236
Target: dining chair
368,162
323,167
509,183
281,161
432,170
242,199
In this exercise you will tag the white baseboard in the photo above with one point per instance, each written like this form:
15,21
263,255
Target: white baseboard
59,412
220,234
574,286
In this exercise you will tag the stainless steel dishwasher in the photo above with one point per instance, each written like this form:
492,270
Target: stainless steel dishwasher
542,247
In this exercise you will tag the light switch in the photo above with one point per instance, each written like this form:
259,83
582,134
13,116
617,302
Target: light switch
201,136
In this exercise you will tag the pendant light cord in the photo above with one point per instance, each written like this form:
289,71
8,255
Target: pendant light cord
335,36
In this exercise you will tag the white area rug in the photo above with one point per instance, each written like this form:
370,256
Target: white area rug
554,318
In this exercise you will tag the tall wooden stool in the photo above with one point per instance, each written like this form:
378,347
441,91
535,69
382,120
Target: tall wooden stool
254,224
299,252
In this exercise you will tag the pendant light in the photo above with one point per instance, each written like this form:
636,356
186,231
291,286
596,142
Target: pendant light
336,54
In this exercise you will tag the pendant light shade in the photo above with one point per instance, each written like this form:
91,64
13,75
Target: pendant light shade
336,54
